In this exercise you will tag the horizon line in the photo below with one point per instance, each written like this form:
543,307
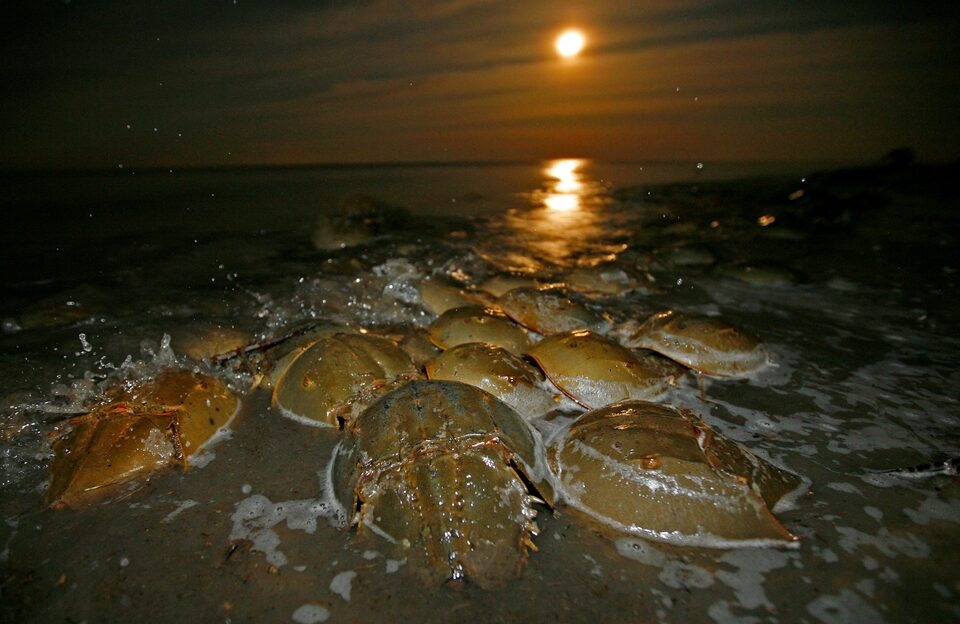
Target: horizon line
400,164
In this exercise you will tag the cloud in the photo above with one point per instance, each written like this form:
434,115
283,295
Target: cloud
377,79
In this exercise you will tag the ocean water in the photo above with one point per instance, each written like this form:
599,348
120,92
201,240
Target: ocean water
849,277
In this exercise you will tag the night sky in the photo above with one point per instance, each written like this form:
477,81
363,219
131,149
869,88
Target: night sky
198,82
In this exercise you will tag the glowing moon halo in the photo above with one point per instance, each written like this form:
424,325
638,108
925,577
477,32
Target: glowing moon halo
570,43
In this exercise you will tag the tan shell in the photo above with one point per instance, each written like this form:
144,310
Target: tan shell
550,311
359,221
53,313
498,371
338,374
651,471
762,276
204,343
154,424
440,295
478,324
688,256
277,359
707,345
499,285
601,279
417,344
595,371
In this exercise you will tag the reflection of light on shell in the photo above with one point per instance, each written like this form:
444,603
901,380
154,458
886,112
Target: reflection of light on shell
650,462
766,220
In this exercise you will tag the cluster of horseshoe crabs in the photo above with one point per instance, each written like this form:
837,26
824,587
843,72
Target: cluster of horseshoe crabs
442,454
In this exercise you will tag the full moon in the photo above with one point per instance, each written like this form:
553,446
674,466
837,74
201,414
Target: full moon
570,43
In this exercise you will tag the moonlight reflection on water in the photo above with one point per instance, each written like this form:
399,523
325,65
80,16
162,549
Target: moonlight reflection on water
564,223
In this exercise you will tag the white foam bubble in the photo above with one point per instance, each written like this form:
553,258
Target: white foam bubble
935,508
840,608
303,420
13,522
256,516
747,581
873,512
847,488
310,614
341,584
827,554
682,575
187,504
867,587
721,612
640,550
887,542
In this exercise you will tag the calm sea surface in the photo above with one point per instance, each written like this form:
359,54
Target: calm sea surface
850,277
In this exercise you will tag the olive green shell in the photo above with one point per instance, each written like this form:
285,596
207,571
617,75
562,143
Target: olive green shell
153,424
595,371
434,467
320,386
652,471
707,345
550,311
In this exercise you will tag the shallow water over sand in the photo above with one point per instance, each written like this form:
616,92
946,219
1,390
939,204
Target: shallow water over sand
849,278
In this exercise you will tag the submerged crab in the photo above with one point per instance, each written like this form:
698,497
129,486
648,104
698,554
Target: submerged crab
151,425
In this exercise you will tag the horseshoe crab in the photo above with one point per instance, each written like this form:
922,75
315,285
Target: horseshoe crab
707,345
278,354
434,467
499,285
417,344
206,342
595,371
600,280
661,474
336,374
478,324
359,221
440,295
141,429
550,311
501,373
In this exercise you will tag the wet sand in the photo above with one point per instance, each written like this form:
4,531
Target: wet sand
866,349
